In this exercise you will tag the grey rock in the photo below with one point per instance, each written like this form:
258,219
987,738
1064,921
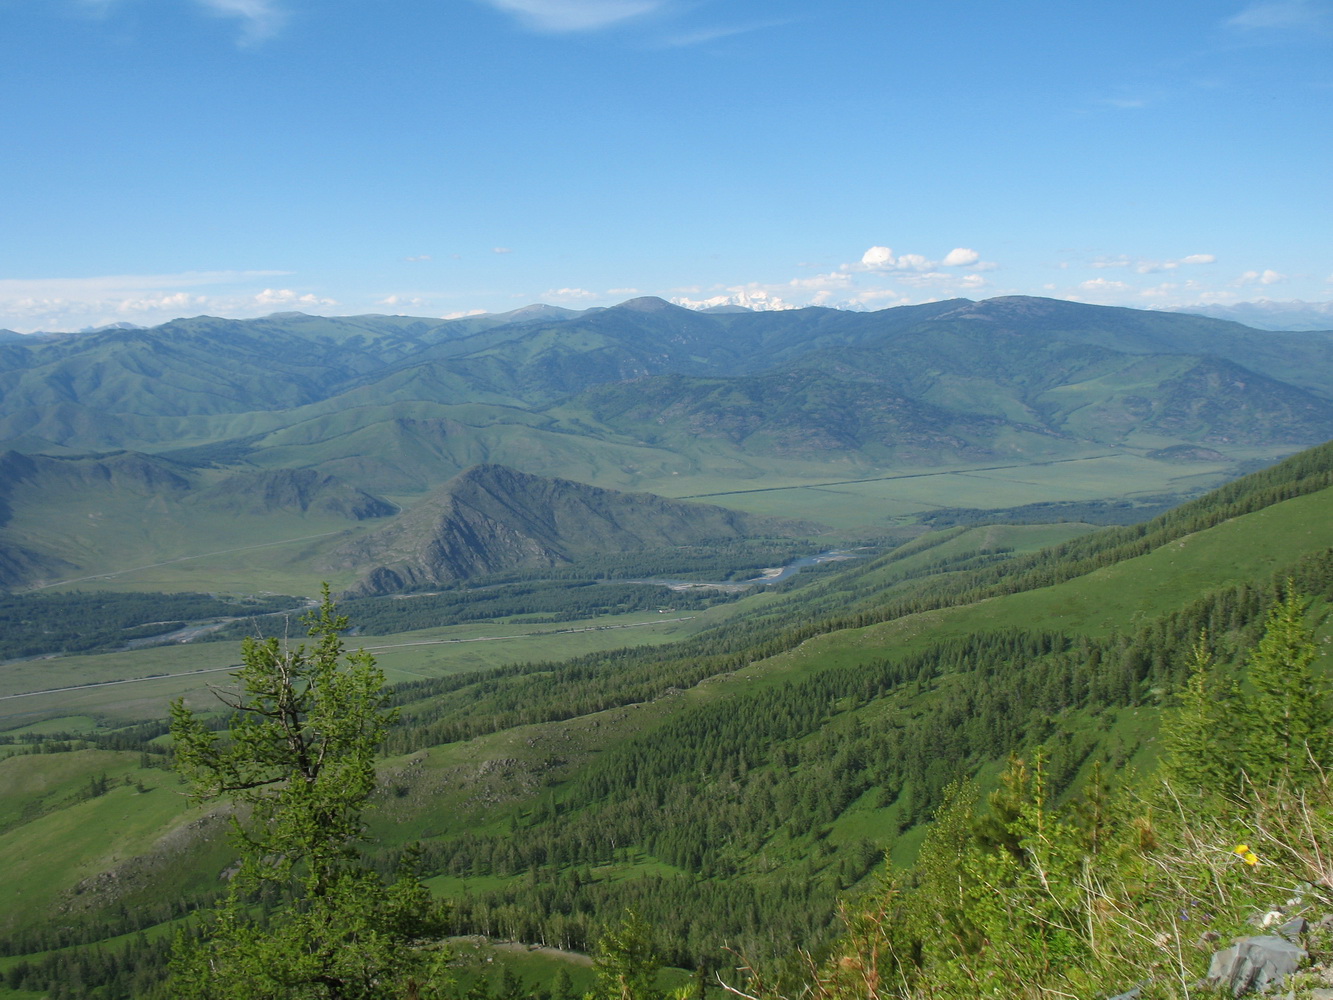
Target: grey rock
1255,964
1131,994
1294,928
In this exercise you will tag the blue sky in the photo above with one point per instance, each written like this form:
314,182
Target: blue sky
436,157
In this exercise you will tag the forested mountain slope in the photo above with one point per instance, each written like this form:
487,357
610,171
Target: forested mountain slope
954,376
733,787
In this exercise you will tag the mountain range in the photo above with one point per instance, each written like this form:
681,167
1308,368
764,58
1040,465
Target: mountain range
350,419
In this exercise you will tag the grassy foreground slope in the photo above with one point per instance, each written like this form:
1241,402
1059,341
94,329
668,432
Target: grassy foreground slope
733,786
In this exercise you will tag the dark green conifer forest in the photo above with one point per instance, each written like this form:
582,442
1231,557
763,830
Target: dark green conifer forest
924,774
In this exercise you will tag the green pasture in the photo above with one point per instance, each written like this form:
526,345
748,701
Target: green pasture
42,797
482,646
137,685
863,504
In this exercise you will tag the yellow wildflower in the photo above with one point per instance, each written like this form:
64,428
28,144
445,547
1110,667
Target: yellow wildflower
1243,852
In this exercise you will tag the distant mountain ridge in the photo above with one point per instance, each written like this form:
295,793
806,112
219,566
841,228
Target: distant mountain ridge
317,422
962,378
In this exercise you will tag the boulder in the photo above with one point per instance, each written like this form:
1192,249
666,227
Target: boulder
1255,964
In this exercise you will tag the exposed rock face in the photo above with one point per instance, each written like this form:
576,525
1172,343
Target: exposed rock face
492,518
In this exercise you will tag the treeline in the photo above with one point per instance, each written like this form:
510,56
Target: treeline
691,919
77,622
535,602
735,795
1099,512
135,737
724,560
125,973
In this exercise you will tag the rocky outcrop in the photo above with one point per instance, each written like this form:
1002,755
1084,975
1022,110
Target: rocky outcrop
492,518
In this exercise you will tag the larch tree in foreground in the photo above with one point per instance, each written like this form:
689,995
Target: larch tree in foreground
298,763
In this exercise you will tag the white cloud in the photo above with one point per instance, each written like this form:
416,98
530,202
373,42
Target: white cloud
393,301
419,258
260,19
1103,285
1265,277
881,259
960,257
1166,289
561,16
75,303
501,250
623,291
568,295
1199,258
822,282
876,298
878,258
287,297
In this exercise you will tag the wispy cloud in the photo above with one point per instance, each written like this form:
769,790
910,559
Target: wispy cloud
1265,277
1141,265
703,36
1125,103
260,19
145,299
1282,15
562,16
884,261
569,295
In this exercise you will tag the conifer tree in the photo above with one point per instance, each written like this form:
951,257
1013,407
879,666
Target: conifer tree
626,965
1199,757
299,758
1288,731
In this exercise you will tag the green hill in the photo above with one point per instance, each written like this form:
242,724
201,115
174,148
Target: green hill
229,425
733,786
490,519
1032,365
